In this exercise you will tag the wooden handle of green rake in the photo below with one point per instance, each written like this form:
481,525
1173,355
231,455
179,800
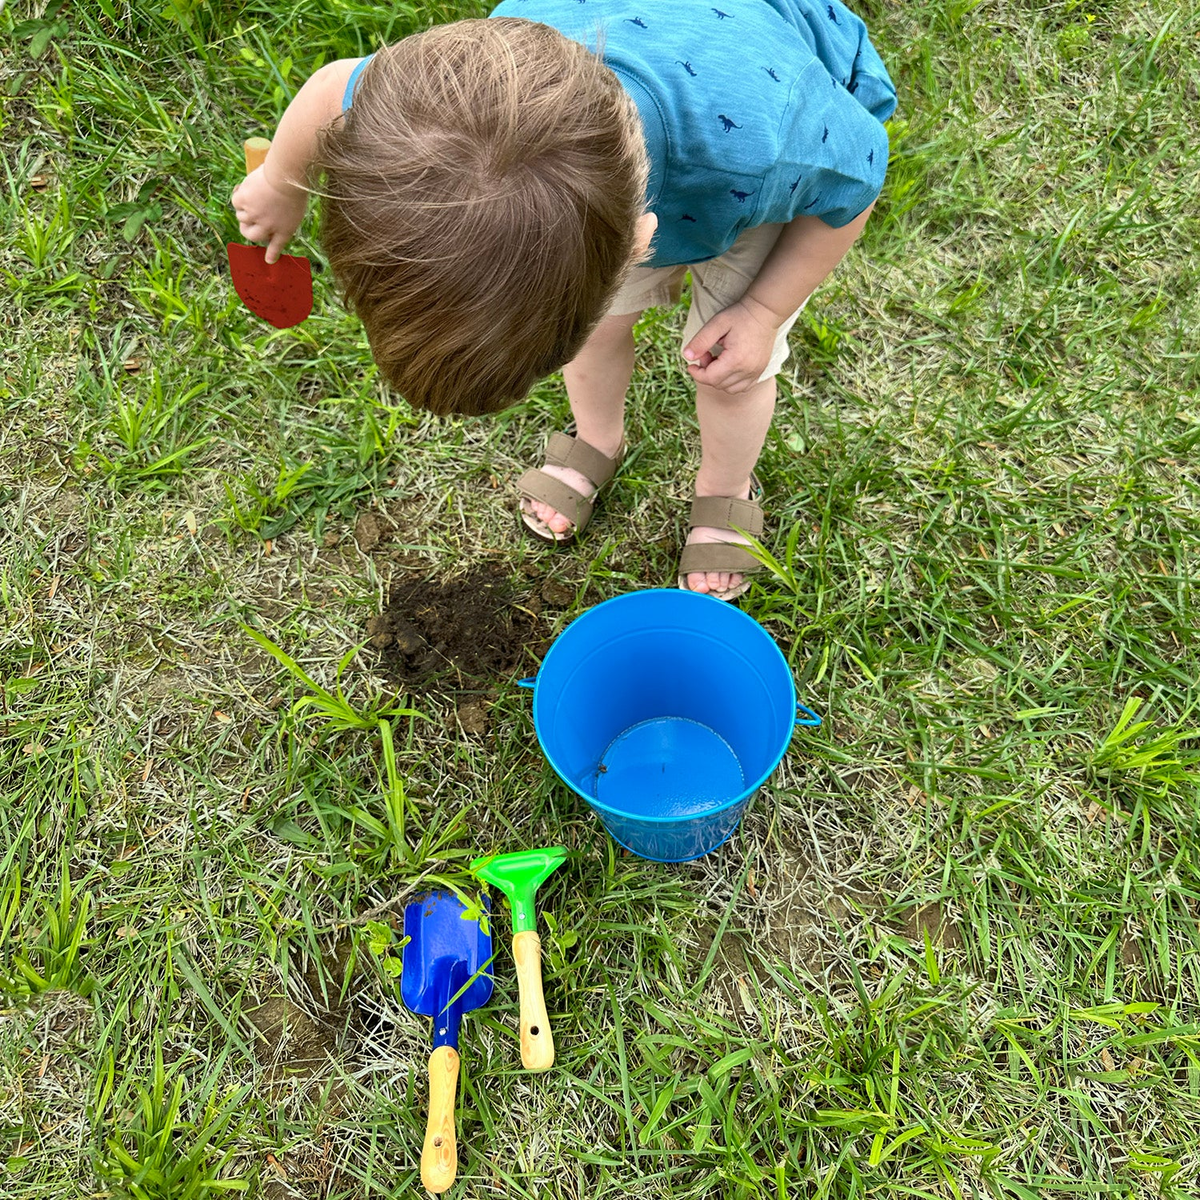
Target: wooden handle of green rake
439,1155
256,152
537,1043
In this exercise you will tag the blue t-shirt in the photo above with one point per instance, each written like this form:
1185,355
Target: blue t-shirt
756,111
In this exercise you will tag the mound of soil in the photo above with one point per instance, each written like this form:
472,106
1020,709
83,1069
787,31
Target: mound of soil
459,634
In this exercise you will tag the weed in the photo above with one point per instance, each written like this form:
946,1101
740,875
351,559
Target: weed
155,1151
340,716
51,940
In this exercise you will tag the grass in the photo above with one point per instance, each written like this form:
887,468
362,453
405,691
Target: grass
951,953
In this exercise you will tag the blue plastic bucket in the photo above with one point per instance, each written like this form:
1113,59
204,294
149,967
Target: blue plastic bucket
666,710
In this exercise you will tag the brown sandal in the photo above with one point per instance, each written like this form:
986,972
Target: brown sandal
724,512
566,450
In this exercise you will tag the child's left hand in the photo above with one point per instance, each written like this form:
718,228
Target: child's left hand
267,213
733,349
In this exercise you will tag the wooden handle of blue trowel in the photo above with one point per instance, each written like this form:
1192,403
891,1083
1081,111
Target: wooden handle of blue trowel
439,1155
255,149
537,1043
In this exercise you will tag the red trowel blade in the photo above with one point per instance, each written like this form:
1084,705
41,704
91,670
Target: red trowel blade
280,293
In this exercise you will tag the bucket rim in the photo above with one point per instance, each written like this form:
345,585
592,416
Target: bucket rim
674,593
749,791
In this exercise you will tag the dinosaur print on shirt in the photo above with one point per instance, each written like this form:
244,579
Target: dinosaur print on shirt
808,94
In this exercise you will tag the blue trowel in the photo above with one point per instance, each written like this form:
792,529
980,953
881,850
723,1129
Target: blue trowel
447,972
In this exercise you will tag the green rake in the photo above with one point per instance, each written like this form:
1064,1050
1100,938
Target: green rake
518,876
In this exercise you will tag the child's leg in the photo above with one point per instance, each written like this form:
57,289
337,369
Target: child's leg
733,428
597,380
732,432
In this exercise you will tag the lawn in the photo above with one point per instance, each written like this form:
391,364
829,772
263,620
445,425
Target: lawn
950,952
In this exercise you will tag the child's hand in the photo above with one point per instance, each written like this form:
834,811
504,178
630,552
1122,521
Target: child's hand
268,214
733,349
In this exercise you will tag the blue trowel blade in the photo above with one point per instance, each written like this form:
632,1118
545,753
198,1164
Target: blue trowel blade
446,948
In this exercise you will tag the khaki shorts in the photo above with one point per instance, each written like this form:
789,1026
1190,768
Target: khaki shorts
716,284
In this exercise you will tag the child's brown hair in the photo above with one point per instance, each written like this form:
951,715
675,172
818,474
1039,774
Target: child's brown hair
482,195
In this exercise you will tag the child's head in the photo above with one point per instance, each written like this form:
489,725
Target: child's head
482,198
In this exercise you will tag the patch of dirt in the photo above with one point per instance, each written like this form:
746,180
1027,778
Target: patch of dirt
299,1035
730,981
370,529
291,1040
462,634
307,1170
930,919
849,904
1131,951
473,717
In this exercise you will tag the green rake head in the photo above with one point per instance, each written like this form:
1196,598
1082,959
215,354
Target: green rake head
518,876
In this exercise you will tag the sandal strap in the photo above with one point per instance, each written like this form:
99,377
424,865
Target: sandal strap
723,512
718,556
563,450
537,485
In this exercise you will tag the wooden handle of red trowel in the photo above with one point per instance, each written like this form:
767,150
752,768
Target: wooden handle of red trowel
439,1155
256,152
537,1043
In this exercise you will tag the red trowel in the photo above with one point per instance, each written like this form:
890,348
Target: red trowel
279,292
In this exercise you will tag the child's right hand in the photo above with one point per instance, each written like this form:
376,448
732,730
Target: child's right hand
268,214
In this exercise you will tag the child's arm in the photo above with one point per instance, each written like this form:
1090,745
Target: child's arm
271,200
807,251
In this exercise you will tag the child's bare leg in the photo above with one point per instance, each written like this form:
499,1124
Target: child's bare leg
733,429
597,379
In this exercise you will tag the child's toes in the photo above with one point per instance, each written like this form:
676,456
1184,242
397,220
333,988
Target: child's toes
712,582
553,518
550,517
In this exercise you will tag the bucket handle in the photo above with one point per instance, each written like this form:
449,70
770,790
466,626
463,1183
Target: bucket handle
814,718
528,682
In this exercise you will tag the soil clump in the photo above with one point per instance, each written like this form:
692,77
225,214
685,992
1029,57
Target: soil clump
458,635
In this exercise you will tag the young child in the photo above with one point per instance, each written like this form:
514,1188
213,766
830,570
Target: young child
506,196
